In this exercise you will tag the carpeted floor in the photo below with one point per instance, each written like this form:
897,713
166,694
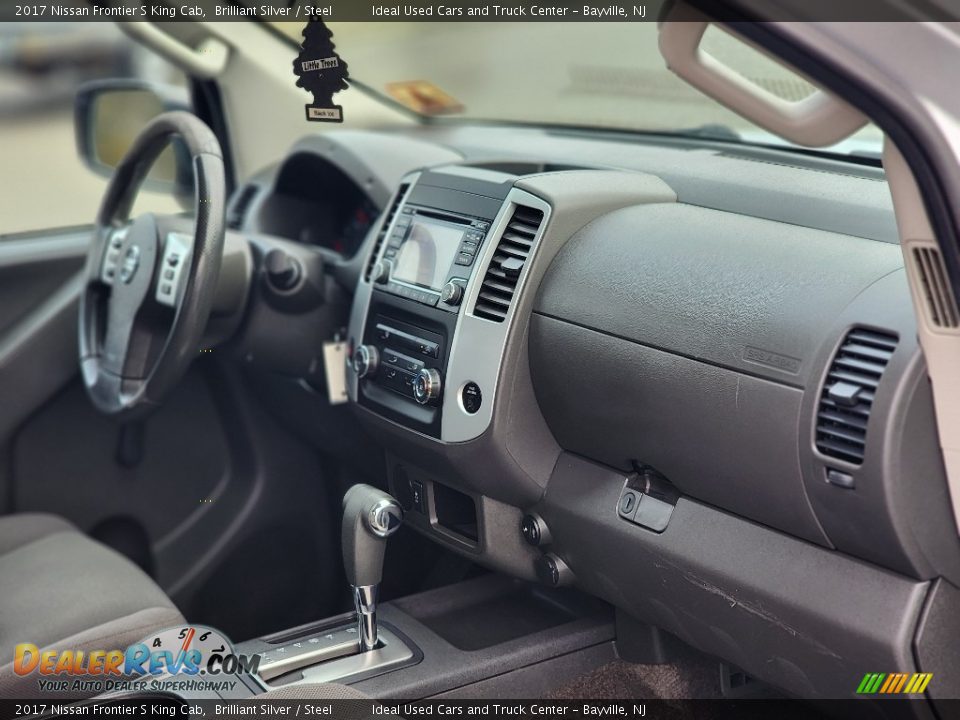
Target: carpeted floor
692,677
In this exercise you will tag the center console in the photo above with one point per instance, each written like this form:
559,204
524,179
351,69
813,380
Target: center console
431,315
458,638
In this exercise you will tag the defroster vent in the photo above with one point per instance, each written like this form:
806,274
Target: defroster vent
384,229
849,392
513,250
942,308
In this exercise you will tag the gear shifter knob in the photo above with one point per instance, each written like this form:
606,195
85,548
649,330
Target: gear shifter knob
370,516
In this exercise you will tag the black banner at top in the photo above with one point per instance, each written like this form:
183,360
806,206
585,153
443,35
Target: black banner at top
468,10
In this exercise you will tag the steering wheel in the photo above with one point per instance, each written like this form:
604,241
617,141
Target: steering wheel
150,283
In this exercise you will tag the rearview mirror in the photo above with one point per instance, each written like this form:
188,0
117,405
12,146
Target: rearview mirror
109,114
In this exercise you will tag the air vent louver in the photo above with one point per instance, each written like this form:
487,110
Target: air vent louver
849,391
384,229
942,307
238,210
500,281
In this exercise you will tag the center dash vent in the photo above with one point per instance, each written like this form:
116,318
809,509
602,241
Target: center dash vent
849,391
384,229
500,281
943,312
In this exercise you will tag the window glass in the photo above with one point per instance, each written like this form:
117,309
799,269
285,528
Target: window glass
43,182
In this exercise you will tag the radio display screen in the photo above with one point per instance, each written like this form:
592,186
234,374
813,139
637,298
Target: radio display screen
427,255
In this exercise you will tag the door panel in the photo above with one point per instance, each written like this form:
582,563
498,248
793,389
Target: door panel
208,489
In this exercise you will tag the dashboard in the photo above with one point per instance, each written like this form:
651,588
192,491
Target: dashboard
312,202
683,378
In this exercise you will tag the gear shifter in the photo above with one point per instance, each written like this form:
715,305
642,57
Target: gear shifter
370,516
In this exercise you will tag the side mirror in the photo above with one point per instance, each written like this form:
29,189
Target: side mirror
109,114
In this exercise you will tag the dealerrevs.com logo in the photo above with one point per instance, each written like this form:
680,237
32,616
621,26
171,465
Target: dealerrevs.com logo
194,658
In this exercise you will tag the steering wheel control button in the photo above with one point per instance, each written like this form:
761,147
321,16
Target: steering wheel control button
534,530
452,293
471,397
108,268
175,251
366,359
426,386
130,264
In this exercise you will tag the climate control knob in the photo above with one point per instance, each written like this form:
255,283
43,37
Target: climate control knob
380,273
365,360
426,386
452,293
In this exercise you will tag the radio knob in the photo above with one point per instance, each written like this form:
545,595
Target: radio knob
380,273
452,293
365,360
426,386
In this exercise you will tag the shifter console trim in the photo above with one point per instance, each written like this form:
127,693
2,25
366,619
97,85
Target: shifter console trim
391,653
308,651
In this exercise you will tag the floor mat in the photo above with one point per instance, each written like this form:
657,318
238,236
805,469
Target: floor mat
692,676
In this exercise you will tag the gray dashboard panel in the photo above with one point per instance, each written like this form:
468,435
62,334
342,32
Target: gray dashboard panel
733,291
782,186
803,618
727,439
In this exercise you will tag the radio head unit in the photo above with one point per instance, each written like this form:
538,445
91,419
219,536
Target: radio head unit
429,256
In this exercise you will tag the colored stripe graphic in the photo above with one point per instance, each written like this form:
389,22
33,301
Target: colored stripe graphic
894,683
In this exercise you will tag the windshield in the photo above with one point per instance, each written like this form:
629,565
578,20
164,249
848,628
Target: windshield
591,75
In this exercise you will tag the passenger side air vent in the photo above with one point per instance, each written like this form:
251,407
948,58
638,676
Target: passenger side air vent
941,306
500,282
384,229
238,211
849,391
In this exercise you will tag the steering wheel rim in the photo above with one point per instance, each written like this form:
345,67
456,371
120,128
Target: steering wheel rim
132,352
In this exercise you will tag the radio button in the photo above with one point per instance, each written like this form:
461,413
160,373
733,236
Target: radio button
471,398
380,273
429,349
452,293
